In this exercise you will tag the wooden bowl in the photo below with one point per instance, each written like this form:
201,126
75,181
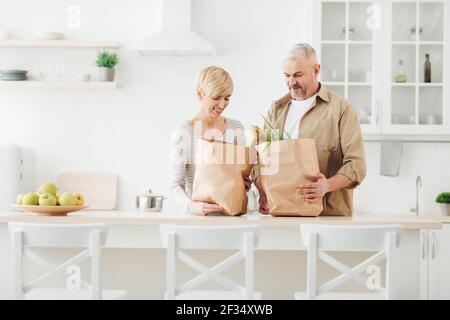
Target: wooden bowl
49,210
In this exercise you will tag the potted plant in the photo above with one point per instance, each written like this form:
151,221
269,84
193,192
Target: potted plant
444,202
107,61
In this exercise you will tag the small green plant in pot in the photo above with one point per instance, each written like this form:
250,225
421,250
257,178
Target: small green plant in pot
107,61
444,202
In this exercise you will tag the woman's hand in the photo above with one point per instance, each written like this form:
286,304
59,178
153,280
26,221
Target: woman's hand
203,208
248,183
263,205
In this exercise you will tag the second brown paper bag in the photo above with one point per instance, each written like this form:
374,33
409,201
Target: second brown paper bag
284,165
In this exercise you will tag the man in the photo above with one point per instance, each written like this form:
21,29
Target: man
310,110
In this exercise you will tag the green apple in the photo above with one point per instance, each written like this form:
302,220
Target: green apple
48,188
67,199
79,200
47,199
30,199
19,199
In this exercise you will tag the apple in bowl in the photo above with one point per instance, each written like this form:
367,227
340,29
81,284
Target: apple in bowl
79,200
66,199
47,199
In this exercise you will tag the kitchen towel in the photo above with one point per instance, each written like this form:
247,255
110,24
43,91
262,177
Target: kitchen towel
390,159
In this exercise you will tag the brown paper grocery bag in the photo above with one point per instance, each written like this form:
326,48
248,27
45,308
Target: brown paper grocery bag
219,175
284,165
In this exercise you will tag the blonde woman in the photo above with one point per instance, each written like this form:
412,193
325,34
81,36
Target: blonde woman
214,89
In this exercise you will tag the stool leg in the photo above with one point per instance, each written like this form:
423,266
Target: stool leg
311,285
390,265
171,261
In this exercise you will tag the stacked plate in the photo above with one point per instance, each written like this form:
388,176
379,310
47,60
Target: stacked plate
49,35
13,75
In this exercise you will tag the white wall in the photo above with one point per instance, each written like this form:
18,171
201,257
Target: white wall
127,130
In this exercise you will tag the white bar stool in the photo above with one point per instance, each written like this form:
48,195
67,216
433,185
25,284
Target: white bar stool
176,238
382,239
26,236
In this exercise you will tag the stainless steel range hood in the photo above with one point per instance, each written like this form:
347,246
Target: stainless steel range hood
176,36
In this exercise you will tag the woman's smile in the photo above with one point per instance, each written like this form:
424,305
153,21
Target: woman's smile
217,111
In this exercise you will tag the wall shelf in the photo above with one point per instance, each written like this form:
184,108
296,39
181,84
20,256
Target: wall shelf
58,84
420,84
70,44
359,84
425,43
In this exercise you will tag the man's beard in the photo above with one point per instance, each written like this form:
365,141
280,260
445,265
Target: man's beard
301,91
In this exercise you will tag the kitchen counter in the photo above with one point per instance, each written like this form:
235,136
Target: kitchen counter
134,258
149,219
437,218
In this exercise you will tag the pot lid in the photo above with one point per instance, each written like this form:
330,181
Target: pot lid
149,193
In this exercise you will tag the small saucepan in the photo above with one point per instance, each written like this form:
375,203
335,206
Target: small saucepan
149,202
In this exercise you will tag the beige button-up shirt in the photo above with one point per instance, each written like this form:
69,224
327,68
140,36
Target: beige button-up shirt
333,123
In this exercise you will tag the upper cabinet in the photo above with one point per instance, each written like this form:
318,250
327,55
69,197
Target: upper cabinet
415,70
386,58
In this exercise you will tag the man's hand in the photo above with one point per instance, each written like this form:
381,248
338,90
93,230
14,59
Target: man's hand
203,208
313,191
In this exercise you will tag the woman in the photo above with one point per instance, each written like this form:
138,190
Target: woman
214,89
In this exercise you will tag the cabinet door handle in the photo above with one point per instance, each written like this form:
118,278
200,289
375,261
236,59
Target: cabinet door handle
380,112
433,248
377,112
424,241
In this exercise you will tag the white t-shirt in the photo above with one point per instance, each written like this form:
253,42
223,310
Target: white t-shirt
296,111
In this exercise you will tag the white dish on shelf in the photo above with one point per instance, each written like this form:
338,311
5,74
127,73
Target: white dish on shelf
3,78
84,77
49,35
13,72
13,75
432,119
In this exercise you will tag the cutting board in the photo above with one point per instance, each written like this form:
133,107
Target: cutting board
11,169
99,189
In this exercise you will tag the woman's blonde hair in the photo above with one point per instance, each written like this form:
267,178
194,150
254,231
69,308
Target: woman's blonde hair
214,81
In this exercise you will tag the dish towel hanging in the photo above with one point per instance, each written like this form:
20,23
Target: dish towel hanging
391,154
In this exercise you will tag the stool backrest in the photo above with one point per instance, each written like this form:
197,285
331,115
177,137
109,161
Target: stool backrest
383,239
178,237
223,237
26,236
350,238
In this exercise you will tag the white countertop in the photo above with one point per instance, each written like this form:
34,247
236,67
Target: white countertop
143,218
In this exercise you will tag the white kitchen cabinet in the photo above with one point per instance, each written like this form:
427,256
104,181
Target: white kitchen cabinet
360,44
348,43
415,29
435,282
423,264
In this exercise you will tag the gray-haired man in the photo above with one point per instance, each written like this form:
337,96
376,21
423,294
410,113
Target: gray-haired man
310,110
